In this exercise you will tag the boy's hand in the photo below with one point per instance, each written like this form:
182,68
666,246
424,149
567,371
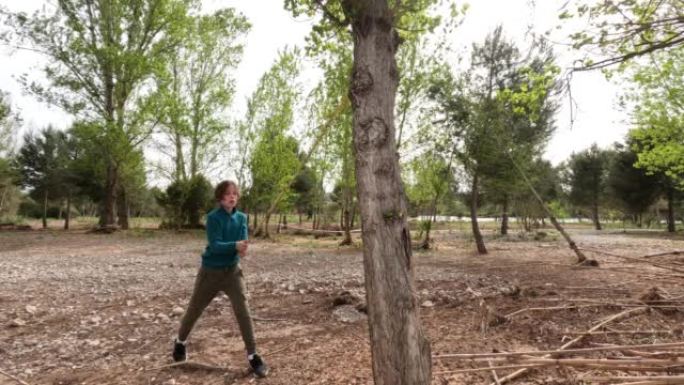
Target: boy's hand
241,247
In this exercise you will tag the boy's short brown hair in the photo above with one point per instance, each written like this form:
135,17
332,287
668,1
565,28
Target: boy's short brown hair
222,189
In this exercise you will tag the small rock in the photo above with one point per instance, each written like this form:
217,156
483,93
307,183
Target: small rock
290,287
427,303
31,309
169,382
17,322
93,342
130,303
95,319
302,291
177,310
162,317
348,314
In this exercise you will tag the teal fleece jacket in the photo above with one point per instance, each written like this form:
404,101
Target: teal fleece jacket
224,230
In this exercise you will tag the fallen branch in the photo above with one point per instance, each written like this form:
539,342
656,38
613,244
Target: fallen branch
279,350
524,365
551,308
619,332
654,379
259,319
632,259
22,382
473,356
673,252
615,317
494,375
191,365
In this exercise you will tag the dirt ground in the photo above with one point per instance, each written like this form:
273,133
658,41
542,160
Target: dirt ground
79,308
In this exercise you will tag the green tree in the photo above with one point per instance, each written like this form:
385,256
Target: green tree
197,87
274,161
626,29
101,56
633,189
657,97
433,178
42,163
8,177
587,173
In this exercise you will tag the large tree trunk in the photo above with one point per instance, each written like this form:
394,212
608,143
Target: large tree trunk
67,217
122,208
670,210
504,216
399,349
45,204
474,192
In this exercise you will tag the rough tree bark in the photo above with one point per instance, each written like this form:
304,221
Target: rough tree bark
400,351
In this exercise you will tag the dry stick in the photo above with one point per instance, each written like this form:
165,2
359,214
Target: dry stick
632,259
494,375
541,365
503,367
552,308
659,379
628,332
279,350
22,382
191,364
138,350
673,252
259,319
564,349
580,256
618,316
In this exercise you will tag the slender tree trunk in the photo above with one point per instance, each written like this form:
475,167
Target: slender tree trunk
2,198
581,258
193,156
61,210
280,221
479,242
45,204
107,216
595,216
122,208
353,217
670,210
399,349
265,233
67,217
285,221
504,216
300,218
180,161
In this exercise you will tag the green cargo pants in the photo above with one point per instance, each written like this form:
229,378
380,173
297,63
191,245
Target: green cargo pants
208,283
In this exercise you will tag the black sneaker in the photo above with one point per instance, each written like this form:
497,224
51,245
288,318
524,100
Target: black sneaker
258,366
179,351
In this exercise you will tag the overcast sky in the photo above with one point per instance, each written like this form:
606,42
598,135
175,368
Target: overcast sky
596,119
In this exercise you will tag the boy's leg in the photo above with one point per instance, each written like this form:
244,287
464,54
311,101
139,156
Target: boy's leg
205,289
235,288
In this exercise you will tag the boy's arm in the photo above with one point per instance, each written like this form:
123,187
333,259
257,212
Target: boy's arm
214,238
